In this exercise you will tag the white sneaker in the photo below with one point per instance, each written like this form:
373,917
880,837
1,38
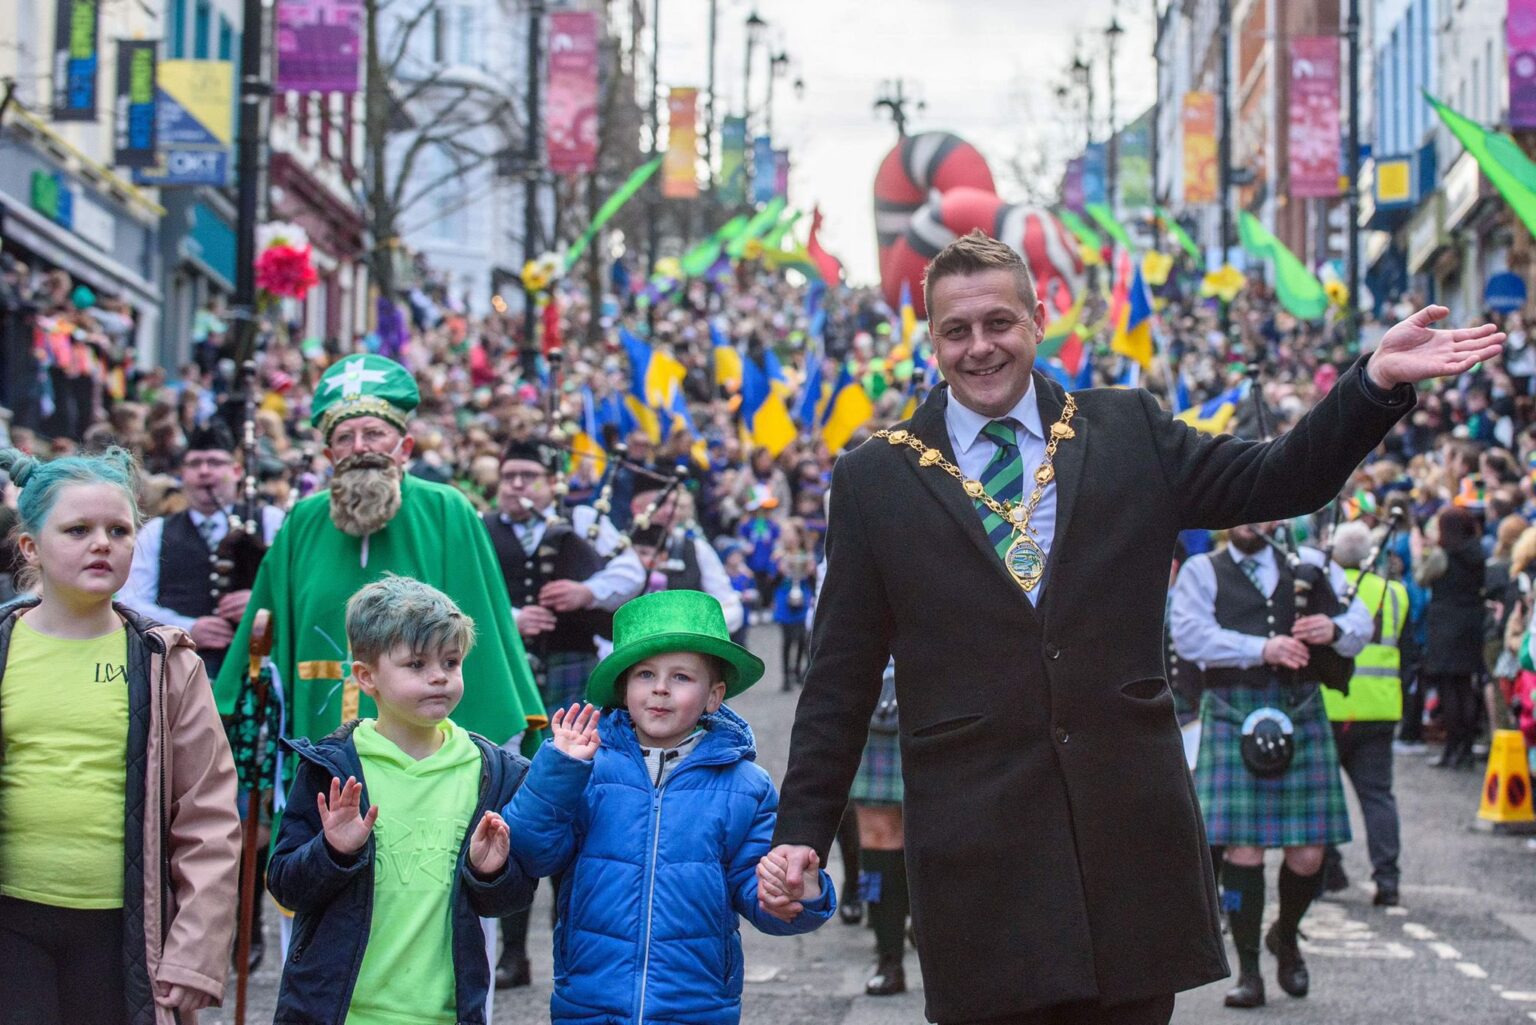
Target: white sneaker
1409,747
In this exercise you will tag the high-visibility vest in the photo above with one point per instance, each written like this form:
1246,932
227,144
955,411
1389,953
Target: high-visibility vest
1376,689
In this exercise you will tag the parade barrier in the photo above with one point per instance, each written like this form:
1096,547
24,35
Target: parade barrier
1506,801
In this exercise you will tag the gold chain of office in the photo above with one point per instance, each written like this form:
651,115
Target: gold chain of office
1024,559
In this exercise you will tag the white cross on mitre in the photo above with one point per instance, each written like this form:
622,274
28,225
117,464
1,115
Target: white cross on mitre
352,379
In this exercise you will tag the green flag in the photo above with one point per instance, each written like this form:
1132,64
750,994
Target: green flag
775,238
1510,170
703,256
1075,224
1113,228
607,210
1176,229
766,218
1298,288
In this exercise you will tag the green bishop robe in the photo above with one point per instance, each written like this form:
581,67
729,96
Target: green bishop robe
313,568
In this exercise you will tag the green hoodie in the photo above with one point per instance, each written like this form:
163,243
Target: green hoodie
424,810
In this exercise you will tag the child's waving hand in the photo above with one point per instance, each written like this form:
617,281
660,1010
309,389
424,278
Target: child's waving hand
489,845
345,830
575,731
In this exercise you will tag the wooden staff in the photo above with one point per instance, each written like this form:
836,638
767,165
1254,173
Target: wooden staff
260,650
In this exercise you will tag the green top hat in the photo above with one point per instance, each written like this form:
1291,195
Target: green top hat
671,621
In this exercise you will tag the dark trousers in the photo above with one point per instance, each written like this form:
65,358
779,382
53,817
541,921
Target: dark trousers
60,966
1365,754
792,653
1151,1011
1460,710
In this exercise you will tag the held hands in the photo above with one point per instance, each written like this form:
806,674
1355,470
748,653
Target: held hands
345,830
1285,652
182,999
786,876
489,845
1415,351
575,731
232,606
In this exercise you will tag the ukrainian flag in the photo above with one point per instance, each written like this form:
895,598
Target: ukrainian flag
763,411
1133,333
847,410
586,448
727,360
1214,416
682,421
812,395
652,374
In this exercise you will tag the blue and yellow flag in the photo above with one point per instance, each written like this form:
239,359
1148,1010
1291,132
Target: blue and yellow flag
1213,416
727,360
1133,334
652,374
763,411
847,410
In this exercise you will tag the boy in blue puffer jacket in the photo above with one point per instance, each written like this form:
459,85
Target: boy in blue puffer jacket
657,816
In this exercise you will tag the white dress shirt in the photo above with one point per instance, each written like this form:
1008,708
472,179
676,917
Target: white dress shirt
1198,638
620,580
974,450
141,591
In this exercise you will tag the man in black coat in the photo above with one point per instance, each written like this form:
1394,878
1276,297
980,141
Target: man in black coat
1058,866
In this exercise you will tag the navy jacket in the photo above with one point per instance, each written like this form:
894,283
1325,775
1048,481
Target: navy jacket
332,897
655,879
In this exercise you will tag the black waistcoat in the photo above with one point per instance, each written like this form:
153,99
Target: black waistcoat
186,568
561,555
681,565
1240,607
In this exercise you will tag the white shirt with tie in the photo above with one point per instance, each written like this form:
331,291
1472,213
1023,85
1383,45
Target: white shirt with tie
974,450
141,591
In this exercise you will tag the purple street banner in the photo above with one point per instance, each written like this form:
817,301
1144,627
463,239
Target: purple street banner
133,107
1072,195
76,56
319,45
781,173
571,110
1521,44
1314,117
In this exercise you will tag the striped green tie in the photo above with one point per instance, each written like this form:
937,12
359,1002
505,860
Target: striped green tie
1003,479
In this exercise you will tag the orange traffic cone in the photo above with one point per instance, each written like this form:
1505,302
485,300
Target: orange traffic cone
1506,804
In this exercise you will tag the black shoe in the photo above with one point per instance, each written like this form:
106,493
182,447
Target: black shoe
1292,973
512,973
1249,991
889,979
851,912
1386,895
1335,880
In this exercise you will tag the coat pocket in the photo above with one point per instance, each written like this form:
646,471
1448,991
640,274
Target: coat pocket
945,729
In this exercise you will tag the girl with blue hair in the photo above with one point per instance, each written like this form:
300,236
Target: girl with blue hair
119,839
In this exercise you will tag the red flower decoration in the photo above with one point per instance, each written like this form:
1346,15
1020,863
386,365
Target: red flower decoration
286,270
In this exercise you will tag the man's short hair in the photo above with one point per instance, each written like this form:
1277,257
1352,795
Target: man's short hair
1351,544
400,611
974,254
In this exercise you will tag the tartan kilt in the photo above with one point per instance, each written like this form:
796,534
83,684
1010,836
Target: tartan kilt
879,777
564,679
1299,809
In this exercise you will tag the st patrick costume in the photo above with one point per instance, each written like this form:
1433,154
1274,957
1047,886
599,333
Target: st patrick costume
313,568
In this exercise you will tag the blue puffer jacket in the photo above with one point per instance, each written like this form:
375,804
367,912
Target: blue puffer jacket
654,879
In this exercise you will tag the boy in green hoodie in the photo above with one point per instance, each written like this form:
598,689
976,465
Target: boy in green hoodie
389,872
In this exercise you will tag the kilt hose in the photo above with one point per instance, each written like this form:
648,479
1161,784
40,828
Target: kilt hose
879,777
1303,807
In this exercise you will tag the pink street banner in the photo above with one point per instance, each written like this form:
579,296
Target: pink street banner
1314,116
571,109
319,45
1521,44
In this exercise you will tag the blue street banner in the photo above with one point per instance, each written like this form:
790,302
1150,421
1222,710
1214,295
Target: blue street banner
765,170
194,112
133,107
1094,164
76,56
733,161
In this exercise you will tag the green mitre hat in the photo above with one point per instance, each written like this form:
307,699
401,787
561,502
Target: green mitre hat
364,385
671,621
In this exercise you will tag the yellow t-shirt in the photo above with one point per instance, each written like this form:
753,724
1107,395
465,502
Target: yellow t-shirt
63,746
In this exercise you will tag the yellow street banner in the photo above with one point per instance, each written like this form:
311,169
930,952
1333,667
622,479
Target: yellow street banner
679,173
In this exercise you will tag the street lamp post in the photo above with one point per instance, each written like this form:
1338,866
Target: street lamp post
755,26
893,97
709,105
776,65
1112,182
531,162
1352,155
1083,71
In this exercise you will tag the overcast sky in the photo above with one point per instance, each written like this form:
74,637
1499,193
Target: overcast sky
988,70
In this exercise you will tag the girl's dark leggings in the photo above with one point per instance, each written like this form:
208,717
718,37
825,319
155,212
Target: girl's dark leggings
60,966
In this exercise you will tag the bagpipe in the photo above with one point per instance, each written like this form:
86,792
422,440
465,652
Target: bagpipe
1314,593
239,554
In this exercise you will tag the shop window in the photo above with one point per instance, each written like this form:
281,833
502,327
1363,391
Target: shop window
202,27
226,39
176,44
